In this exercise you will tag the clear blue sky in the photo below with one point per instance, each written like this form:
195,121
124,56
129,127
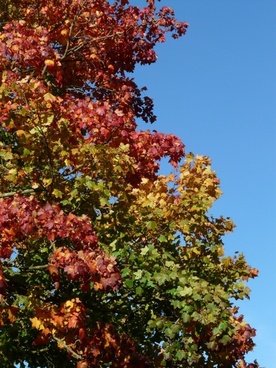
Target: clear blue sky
216,89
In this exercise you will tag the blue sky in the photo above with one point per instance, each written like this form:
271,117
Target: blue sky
216,89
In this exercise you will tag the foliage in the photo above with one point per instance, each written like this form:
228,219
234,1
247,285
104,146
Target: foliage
105,262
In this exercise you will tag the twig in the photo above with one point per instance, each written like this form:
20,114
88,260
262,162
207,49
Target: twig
71,351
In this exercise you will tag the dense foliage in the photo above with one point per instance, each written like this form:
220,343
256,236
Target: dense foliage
105,262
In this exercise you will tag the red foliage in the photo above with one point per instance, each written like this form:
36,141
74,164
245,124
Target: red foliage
24,218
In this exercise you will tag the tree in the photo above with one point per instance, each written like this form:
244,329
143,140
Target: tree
104,261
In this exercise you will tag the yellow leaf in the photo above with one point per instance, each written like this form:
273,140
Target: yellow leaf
60,344
36,323
48,97
12,313
49,62
64,32
15,47
35,185
47,182
20,132
68,304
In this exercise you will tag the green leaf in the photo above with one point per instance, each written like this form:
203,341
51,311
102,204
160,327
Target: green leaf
151,225
6,155
162,238
161,278
225,339
185,291
57,193
26,152
129,283
125,272
180,355
144,250
44,250
138,274
186,317
139,291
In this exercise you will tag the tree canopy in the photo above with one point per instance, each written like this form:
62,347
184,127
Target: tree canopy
104,261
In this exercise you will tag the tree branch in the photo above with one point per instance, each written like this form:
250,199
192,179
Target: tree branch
11,194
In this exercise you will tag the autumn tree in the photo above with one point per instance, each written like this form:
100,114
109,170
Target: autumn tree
104,261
